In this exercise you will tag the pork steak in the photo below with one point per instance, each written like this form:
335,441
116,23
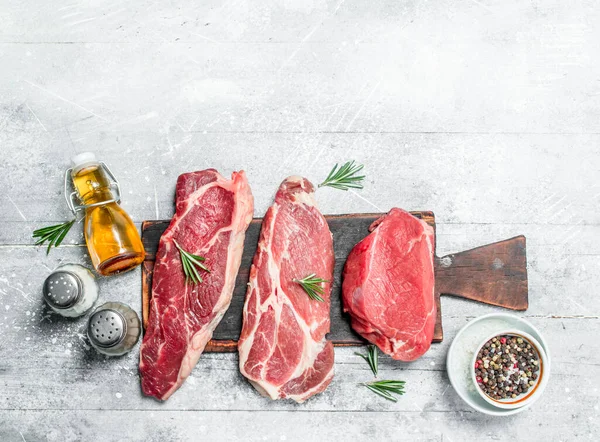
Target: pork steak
212,215
388,285
282,348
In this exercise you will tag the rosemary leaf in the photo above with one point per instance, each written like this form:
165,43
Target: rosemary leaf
193,270
312,286
188,271
197,260
386,388
374,355
371,358
190,264
53,234
381,393
345,177
45,230
62,234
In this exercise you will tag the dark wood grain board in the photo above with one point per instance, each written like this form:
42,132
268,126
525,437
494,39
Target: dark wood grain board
494,274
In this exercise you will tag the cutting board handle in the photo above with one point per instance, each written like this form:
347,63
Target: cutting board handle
494,274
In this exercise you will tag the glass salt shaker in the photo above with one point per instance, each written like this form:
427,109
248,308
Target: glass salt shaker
70,290
113,329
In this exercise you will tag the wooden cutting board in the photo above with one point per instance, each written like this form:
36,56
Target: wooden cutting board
494,274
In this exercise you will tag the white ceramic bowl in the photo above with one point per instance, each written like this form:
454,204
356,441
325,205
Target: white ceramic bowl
534,391
460,354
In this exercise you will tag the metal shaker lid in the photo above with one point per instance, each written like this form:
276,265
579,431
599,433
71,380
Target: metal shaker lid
106,328
62,289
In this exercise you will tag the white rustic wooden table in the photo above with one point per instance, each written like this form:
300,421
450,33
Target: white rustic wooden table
486,112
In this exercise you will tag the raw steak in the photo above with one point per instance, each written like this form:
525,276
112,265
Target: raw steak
388,285
282,347
212,214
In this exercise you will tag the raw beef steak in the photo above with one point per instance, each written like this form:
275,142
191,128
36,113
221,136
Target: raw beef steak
389,283
211,218
282,347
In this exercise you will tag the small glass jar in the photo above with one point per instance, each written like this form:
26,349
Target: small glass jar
113,329
70,290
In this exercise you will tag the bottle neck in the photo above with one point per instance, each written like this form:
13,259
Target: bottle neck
92,184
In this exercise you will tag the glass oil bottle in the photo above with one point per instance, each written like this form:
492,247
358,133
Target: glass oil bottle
112,238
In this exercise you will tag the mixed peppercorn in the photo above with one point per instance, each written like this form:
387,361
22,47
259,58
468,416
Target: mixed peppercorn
506,367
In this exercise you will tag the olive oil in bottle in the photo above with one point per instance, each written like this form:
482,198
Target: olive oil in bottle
112,239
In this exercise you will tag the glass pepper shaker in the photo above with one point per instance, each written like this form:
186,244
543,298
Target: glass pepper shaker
113,329
70,290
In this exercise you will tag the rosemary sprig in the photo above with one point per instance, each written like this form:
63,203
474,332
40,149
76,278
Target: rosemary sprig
312,286
53,234
345,177
370,357
386,388
382,388
190,264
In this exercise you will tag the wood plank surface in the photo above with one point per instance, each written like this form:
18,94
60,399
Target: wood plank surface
486,112
59,359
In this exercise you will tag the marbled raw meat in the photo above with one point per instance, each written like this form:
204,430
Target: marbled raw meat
212,215
282,348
